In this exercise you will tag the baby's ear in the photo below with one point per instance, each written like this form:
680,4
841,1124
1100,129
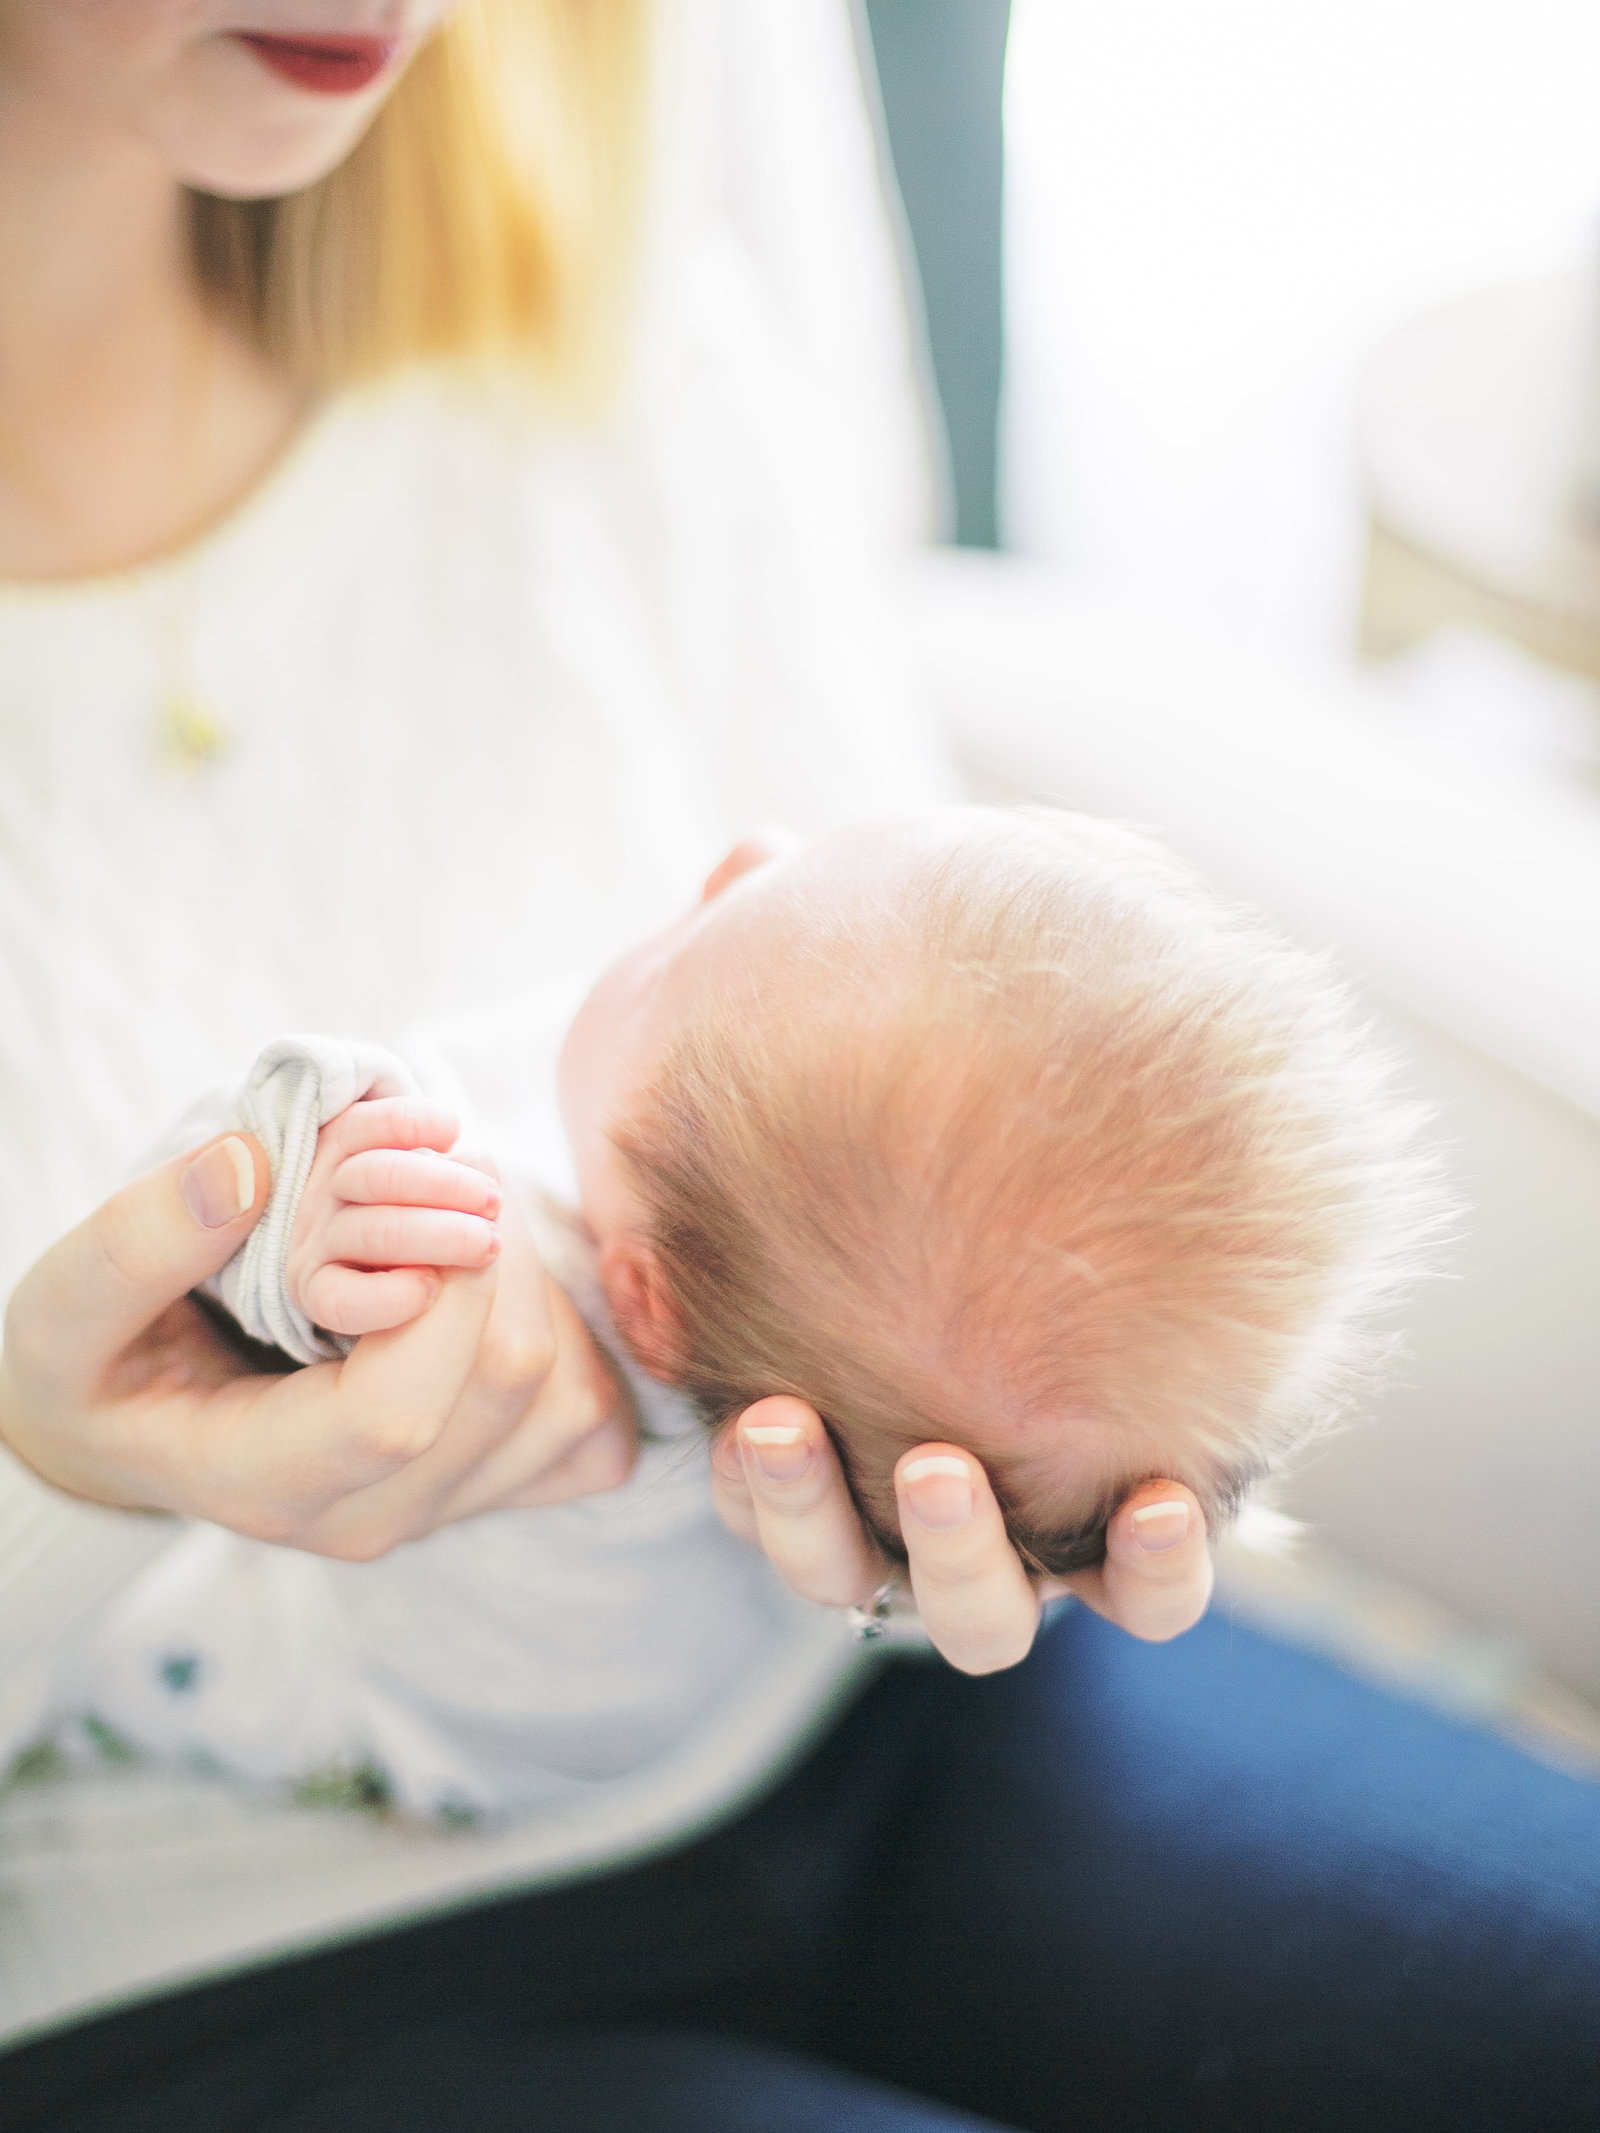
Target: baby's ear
642,1306
748,854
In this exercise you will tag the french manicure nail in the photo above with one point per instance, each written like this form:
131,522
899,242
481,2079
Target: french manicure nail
726,1456
219,1185
778,1448
1158,1526
939,1490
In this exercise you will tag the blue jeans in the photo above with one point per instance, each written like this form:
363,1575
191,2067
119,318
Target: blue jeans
1122,1889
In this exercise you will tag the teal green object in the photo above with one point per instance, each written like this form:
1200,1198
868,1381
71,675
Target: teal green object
941,76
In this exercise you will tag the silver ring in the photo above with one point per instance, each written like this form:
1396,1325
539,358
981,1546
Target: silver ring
870,1620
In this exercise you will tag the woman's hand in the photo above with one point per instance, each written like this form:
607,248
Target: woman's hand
778,1482
116,1386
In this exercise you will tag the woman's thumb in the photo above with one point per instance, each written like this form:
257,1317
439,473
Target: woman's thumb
219,1185
106,1280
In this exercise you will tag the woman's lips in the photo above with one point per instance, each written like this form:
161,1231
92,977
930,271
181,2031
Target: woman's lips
329,66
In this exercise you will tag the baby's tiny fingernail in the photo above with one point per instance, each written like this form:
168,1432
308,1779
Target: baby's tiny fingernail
1157,1526
219,1185
939,1490
779,1449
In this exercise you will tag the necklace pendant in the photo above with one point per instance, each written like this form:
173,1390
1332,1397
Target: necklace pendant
190,737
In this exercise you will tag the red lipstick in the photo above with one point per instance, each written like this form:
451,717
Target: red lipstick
327,66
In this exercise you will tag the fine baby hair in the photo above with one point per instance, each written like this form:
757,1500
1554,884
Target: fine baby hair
1027,1141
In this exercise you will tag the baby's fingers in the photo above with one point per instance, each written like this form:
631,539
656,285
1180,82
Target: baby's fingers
352,1301
407,1236
391,1122
400,1177
975,1599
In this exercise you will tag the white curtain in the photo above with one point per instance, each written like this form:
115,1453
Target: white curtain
769,126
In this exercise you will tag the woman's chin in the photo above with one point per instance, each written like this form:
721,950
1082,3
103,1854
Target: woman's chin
244,134
266,161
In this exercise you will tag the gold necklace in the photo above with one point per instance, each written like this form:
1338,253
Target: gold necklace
188,736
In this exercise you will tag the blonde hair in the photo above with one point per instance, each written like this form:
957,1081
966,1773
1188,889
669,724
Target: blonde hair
487,213
1042,1132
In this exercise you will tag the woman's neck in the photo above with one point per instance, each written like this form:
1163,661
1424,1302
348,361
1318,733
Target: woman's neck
128,417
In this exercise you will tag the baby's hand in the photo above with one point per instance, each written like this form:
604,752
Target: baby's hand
386,1207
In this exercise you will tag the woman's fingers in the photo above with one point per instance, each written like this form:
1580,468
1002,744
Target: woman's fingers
545,1411
602,1459
790,1495
396,1394
976,1601
574,1393
405,1236
1156,1579
536,1391
105,1281
296,1459
398,1177
730,1491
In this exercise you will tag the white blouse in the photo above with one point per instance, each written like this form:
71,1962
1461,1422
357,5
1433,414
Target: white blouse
491,692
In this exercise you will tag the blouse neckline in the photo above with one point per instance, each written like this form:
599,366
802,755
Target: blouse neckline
188,555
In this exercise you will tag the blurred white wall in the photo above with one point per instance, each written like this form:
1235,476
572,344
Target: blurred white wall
1212,213
1477,1476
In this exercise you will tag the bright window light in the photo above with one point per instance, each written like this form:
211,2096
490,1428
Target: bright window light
1213,214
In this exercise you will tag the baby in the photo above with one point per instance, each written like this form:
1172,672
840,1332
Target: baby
988,1127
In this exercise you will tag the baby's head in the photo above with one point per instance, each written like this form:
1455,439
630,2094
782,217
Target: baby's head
995,1128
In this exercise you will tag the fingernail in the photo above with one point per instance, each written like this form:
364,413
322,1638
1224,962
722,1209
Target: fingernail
1158,1526
219,1185
779,1449
939,1490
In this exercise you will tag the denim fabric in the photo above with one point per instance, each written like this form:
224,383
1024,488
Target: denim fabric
1211,1885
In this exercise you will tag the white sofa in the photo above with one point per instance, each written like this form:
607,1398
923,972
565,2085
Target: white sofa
1468,905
